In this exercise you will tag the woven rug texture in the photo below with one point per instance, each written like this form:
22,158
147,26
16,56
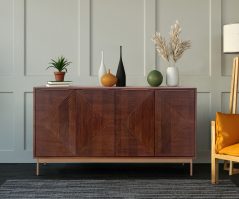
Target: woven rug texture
130,188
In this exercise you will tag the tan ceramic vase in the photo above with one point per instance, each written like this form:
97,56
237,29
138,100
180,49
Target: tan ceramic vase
108,79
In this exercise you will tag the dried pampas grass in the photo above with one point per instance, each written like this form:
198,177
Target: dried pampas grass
161,46
175,48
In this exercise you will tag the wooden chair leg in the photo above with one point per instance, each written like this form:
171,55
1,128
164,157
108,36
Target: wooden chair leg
231,168
226,165
37,168
214,170
191,168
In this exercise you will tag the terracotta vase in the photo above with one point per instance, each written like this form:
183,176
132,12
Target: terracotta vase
59,76
108,79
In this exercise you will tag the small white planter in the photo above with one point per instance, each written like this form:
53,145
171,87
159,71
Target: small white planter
172,76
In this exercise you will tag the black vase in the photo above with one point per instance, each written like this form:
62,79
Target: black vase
121,77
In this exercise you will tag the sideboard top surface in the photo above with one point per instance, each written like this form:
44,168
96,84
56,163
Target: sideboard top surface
115,88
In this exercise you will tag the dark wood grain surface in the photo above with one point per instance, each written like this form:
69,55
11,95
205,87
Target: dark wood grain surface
109,122
134,123
55,127
175,123
95,123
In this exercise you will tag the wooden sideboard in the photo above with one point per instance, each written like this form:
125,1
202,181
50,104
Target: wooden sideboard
127,124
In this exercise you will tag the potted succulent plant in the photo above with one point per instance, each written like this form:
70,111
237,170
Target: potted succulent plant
61,65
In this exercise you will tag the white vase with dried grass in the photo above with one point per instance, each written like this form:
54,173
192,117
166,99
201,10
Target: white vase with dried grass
172,75
171,52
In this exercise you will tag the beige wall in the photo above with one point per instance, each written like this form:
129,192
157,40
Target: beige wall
33,31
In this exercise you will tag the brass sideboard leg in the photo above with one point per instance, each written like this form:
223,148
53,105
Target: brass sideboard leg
191,168
37,169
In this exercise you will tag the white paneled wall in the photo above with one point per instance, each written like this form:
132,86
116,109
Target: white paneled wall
51,29
33,31
194,18
6,39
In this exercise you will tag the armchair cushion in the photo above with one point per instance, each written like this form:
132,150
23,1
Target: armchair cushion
227,130
230,150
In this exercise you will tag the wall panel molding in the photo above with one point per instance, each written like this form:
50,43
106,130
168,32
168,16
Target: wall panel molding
194,18
7,38
28,121
7,141
148,24
229,15
50,35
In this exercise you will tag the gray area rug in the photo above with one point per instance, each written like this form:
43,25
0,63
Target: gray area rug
130,188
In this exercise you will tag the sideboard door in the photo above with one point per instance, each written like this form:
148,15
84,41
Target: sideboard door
55,129
175,123
134,122
95,122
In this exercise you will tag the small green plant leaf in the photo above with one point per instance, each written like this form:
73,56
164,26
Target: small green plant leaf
60,64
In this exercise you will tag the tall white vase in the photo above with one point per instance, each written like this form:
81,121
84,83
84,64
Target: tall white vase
172,76
102,69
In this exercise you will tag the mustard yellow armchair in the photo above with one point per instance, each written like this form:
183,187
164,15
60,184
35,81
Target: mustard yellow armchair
224,143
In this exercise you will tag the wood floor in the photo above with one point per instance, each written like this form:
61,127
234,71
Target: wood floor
109,171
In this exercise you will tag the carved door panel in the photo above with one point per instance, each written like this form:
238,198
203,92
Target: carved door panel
175,123
55,129
95,122
134,122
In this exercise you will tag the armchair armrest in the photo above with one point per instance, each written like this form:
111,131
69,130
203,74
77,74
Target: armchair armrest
213,137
